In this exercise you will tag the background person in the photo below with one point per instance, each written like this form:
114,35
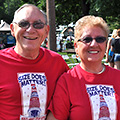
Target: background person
2,45
109,53
28,72
116,49
90,90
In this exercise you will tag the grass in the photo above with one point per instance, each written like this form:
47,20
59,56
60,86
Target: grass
70,61
73,61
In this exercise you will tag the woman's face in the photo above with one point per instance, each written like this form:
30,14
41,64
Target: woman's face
92,51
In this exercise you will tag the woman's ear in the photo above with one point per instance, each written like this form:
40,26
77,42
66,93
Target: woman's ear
75,44
76,47
12,29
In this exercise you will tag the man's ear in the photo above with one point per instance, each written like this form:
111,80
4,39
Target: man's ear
12,29
47,30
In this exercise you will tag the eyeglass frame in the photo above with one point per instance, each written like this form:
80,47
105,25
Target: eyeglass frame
30,24
83,39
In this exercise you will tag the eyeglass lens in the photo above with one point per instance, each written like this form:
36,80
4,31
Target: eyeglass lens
26,24
89,39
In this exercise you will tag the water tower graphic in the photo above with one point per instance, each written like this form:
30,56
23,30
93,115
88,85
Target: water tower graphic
34,107
104,110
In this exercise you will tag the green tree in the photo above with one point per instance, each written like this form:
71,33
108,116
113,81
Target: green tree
108,9
8,7
71,10
68,11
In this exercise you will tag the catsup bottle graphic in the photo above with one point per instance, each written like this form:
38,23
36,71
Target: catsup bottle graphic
34,107
104,110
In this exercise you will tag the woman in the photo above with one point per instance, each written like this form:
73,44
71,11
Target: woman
90,90
109,53
116,49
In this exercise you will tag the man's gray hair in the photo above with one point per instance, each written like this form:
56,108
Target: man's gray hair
27,5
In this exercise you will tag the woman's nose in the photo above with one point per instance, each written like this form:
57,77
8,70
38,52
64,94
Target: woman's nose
93,42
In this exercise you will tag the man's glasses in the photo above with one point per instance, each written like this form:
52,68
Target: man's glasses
26,24
89,39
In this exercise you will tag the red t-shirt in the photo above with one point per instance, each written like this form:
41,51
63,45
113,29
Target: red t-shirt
26,86
81,95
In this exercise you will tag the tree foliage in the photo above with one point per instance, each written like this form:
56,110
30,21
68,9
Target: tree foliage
8,7
108,9
68,11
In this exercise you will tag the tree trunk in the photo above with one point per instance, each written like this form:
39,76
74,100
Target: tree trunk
50,6
85,7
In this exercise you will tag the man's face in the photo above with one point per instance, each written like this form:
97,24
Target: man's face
29,38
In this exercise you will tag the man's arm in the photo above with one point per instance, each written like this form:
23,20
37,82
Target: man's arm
50,116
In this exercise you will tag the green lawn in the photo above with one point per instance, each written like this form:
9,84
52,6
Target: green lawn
71,60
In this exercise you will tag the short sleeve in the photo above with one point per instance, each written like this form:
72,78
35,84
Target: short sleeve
60,104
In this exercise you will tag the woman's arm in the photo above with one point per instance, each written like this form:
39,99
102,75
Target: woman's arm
108,47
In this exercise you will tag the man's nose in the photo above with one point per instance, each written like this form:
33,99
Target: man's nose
30,28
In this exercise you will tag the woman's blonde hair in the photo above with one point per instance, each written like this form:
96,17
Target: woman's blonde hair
89,21
114,33
118,32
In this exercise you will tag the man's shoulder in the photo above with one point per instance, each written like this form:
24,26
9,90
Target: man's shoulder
6,50
50,52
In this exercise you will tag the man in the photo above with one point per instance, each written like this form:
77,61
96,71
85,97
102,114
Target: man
28,72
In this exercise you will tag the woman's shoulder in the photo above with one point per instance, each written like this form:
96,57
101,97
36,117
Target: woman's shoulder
112,70
73,72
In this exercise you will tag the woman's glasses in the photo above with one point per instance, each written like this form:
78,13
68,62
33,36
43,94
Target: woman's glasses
89,39
26,24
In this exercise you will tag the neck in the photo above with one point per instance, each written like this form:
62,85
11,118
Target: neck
97,69
102,70
27,54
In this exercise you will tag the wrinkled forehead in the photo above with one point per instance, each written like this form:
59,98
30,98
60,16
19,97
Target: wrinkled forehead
29,13
93,31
